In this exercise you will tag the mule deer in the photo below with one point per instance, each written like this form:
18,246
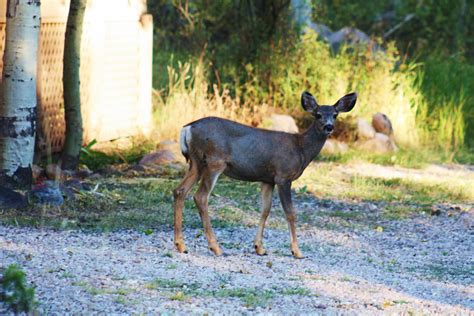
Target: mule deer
213,146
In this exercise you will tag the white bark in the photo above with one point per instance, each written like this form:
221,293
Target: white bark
18,87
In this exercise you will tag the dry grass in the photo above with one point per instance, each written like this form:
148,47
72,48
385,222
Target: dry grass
187,99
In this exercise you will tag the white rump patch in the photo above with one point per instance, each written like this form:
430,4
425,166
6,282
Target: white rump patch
185,139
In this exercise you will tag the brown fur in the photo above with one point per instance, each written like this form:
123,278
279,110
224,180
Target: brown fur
217,146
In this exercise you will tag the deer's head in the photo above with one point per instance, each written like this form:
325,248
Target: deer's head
325,115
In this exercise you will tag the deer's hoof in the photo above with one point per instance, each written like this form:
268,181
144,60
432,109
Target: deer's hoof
260,250
180,247
216,250
297,254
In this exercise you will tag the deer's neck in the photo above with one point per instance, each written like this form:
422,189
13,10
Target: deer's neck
313,141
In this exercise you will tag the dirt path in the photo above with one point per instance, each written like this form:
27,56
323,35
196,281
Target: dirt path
423,264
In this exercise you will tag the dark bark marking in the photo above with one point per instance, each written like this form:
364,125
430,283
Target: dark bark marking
21,178
11,8
7,125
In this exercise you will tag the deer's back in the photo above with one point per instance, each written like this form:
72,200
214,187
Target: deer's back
250,153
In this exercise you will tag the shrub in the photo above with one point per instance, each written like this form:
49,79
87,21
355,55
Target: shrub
383,81
14,292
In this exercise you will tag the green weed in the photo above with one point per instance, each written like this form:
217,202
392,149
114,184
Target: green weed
14,291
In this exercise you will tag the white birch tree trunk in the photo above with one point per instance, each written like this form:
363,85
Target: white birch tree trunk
18,93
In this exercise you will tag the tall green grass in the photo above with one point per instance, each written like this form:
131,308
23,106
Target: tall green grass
380,85
448,87
427,107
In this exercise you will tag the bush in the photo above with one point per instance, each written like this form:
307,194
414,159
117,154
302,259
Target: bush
384,84
383,81
14,292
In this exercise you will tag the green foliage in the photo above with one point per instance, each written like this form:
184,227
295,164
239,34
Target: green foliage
138,203
384,84
14,292
96,159
448,85
261,60
230,33
354,13
445,26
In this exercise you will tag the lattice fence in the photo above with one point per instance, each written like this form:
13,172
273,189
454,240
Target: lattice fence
51,125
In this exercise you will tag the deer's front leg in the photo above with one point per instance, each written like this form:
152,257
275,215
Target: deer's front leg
284,190
267,192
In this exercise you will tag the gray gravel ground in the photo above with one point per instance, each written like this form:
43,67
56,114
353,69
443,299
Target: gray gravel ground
422,265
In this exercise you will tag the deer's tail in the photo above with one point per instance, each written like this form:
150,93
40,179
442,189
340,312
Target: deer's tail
185,141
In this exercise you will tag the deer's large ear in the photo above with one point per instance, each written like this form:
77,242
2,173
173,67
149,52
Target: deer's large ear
308,102
346,103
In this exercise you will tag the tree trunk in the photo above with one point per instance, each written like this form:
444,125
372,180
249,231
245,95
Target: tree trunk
71,83
18,93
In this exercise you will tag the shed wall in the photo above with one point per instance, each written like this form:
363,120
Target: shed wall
116,66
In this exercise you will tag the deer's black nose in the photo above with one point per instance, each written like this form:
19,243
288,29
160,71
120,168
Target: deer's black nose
328,128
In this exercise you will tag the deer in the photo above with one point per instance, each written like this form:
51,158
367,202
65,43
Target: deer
213,146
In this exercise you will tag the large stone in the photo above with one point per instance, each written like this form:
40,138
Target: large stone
157,158
47,192
174,147
53,171
37,173
83,172
381,144
352,37
322,30
382,124
333,146
364,130
283,123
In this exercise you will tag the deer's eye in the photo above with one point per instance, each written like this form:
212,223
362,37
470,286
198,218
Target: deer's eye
317,116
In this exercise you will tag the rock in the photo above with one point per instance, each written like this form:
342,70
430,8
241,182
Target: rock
159,157
365,130
74,184
322,30
11,199
47,192
168,144
37,173
381,143
283,123
83,172
382,124
333,146
173,147
70,187
53,171
66,174
352,37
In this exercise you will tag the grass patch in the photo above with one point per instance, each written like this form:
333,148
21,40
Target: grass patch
144,204
404,157
160,283
329,180
92,290
251,297
445,271
139,204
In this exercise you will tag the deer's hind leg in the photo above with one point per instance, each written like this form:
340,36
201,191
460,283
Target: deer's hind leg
209,177
266,200
179,194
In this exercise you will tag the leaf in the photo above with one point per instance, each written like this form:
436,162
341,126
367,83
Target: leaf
148,231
